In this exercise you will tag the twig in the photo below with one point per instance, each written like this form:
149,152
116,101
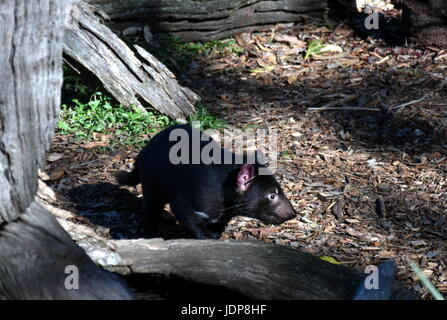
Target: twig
340,101
333,57
382,60
84,163
71,65
343,109
403,105
435,293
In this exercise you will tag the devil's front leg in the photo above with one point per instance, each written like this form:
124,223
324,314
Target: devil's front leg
196,222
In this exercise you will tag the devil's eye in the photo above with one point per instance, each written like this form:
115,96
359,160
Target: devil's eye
272,196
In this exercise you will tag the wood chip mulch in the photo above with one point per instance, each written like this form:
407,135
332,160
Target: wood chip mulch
362,148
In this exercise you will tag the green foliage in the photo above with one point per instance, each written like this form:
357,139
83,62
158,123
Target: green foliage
87,111
206,119
250,126
124,125
74,82
99,114
226,46
284,154
314,48
171,49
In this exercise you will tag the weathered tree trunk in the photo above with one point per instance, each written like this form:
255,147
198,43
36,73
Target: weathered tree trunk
133,78
208,19
34,249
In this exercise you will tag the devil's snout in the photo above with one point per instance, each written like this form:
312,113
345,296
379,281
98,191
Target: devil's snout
291,214
286,212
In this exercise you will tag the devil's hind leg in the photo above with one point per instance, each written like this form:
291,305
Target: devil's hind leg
152,207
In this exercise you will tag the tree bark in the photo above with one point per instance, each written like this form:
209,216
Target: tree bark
254,269
133,78
206,20
34,249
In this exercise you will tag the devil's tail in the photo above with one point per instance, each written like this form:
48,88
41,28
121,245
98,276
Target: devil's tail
128,178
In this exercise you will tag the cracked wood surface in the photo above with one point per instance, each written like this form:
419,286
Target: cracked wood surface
132,77
208,19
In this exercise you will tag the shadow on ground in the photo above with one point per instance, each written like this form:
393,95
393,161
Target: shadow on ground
117,212
413,133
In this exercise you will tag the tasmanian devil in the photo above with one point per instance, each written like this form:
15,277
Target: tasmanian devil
203,196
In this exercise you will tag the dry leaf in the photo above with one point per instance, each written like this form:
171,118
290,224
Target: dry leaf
266,231
216,67
94,144
359,157
55,156
331,48
292,40
43,175
56,175
243,39
292,79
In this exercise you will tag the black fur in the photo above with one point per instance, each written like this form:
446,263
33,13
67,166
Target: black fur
204,197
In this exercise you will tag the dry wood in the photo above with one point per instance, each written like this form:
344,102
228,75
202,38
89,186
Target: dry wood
403,105
207,19
34,249
342,109
30,78
133,78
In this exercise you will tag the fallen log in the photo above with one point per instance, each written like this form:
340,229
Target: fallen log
251,269
207,20
132,77
254,269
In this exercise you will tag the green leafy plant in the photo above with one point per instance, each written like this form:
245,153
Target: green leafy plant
284,154
174,53
314,48
100,115
74,82
228,45
206,119
172,48
220,46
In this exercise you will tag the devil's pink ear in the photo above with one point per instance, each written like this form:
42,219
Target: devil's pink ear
245,176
